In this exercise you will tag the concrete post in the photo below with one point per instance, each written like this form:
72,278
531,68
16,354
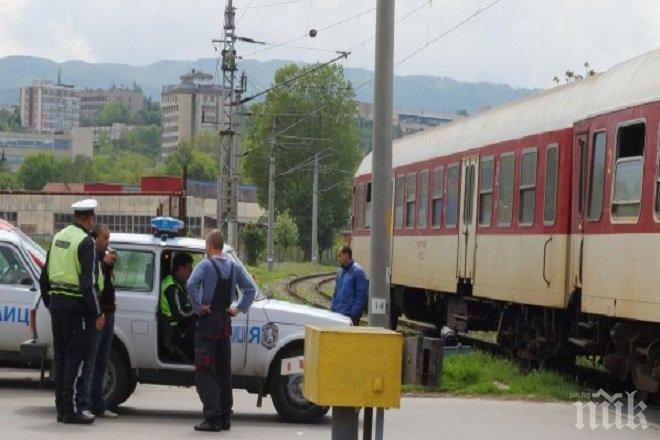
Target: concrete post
270,257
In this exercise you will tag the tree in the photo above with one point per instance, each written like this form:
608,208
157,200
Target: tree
37,170
254,237
318,105
10,120
110,113
286,232
126,167
199,155
150,114
8,180
570,75
145,140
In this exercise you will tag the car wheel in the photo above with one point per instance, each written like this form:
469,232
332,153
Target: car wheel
287,394
117,382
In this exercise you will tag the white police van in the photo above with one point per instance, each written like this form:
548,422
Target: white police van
21,260
267,339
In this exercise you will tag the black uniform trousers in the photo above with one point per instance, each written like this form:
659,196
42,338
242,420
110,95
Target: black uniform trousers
70,346
213,366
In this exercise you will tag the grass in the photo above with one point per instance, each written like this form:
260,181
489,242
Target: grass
480,374
272,283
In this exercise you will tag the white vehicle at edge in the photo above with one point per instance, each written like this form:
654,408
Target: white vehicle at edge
270,332
20,265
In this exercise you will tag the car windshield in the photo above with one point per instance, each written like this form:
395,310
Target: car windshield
259,296
37,253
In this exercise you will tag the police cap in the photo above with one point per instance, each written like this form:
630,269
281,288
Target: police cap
85,207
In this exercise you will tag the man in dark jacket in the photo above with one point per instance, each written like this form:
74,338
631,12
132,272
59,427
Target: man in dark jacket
67,289
351,287
91,397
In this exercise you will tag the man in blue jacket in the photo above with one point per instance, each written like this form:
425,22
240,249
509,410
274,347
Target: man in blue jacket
351,287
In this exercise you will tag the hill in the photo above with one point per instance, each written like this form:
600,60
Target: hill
431,93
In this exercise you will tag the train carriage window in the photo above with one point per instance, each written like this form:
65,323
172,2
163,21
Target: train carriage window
360,207
398,202
451,215
583,174
367,207
527,187
486,191
438,189
505,195
626,198
597,181
550,194
411,192
423,211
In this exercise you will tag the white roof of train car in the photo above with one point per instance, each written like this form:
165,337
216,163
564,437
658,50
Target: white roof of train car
630,83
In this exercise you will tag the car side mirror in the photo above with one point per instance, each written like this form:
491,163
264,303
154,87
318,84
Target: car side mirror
27,281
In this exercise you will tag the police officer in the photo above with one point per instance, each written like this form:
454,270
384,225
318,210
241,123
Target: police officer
212,286
175,311
67,289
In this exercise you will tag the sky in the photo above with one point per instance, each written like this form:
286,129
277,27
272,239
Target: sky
518,42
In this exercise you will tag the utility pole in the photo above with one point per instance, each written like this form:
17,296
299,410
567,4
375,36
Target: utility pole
315,211
381,177
271,193
225,211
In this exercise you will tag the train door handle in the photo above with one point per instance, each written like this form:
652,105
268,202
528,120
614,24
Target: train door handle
545,260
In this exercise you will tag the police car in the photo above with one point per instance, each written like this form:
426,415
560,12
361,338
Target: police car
21,260
267,342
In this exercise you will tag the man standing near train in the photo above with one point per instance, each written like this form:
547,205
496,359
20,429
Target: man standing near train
351,287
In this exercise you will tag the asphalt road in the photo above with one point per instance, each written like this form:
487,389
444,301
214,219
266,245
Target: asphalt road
170,412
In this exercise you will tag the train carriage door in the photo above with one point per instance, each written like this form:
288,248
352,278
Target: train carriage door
579,197
467,243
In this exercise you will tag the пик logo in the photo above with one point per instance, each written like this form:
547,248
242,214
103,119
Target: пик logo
608,407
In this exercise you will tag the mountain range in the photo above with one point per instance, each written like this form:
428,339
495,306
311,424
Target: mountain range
414,92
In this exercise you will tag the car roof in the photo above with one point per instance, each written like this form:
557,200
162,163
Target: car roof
9,235
6,226
152,240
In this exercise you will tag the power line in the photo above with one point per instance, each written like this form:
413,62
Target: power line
436,39
268,5
330,26
402,19
293,78
449,31
245,9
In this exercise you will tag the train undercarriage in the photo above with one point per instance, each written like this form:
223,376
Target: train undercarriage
545,337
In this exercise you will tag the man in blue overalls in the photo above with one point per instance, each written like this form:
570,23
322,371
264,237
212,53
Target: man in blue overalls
211,287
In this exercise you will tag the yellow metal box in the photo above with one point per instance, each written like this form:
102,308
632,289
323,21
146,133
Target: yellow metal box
354,366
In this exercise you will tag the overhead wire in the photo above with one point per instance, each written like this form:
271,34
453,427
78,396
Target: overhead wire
268,5
299,37
436,39
245,9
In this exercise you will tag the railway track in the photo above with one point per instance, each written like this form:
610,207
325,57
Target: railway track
292,288
588,377
323,299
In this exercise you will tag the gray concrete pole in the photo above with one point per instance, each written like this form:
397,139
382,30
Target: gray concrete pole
315,211
381,178
381,157
345,424
270,257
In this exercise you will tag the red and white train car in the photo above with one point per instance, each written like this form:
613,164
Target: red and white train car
539,219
